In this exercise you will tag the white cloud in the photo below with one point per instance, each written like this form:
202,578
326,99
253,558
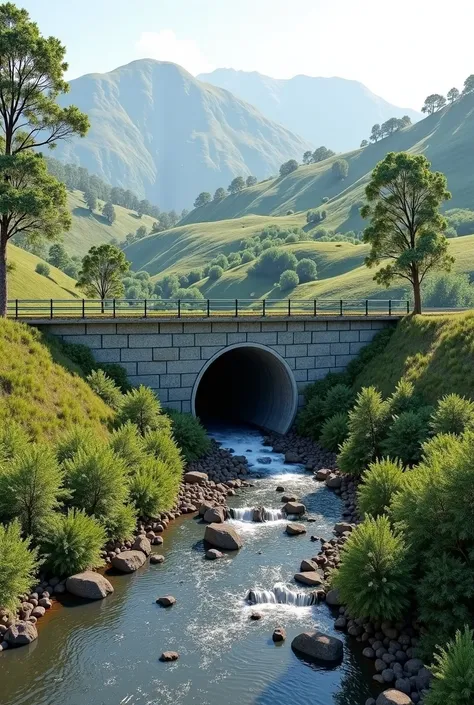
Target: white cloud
166,46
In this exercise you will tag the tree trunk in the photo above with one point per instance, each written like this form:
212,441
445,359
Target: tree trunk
416,293
3,271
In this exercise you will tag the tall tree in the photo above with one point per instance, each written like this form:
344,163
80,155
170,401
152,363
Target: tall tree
143,207
102,271
375,134
90,198
307,157
31,79
340,169
322,153
108,211
363,144
251,181
468,85
405,121
389,126
288,167
58,256
203,199
406,227
433,102
219,195
236,185
453,94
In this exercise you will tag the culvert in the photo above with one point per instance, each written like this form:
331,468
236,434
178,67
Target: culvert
247,383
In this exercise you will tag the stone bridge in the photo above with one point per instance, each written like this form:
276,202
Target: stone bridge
250,370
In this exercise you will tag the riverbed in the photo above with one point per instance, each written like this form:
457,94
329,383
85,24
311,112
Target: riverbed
106,653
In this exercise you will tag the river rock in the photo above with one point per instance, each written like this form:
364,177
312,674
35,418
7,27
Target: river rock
223,536
322,474
141,543
280,488
293,529
279,635
215,515
294,508
393,697
289,498
88,585
333,599
318,647
308,565
38,612
21,634
194,477
169,656
413,665
343,526
213,554
129,561
166,601
310,578
333,481
204,506
156,559
292,458
266,460
255,616
45,602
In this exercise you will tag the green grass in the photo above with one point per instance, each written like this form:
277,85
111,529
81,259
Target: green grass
25,283
42,390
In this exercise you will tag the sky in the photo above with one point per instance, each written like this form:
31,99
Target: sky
401,51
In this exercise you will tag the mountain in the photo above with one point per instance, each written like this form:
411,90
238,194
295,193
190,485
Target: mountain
167,136
334,112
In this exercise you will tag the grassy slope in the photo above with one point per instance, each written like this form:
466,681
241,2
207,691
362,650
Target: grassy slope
434,352
42,390
25,283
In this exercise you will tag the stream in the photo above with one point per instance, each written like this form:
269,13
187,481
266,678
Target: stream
106,652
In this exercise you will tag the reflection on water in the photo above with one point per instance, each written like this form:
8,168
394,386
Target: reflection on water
106,653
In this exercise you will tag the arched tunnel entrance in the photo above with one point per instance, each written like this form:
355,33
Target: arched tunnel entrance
247,384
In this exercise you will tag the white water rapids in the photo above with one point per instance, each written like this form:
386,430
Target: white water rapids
247,514
281,594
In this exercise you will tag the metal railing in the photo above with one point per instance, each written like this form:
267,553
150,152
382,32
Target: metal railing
207,308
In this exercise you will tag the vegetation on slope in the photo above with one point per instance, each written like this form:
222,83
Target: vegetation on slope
25,283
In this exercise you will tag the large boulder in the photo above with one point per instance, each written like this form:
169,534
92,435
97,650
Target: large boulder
143,544
318,647
195,478
89,585
223,536
343,526
294,508
308,565
333,598
312,578
293,529
322,473
21,634
214,515
333,481
129,561
393,697
204,506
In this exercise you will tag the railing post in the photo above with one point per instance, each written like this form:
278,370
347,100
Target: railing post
113,307
145,308
315,308
208,308
16,308
340,307
367,307
408,306
179,308
51,309
390,307
236,308
263,307
289,307
83,308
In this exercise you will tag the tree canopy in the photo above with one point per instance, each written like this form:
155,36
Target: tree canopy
288,167
203,198
433,102
103,269
236,185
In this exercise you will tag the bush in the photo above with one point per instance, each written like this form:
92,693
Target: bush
340,169
366,428
141,407
43,269
18,565
320,387
31,487
247,256
449,290
288,167
97,480
453,672
117,374
127,443
338,398
290,212
215,272
154,487
81,355
195,275
288,280
406,435
379,484
454,414
325,199
105,388
307,270
374,572
161,445
402,399
121,525
13,440
311,418
273,262
314,216
291,239
220,261
72,441
334,431
190,436
73,543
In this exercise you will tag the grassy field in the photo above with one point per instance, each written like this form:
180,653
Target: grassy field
25,283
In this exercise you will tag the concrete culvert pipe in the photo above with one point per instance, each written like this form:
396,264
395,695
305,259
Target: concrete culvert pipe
247,384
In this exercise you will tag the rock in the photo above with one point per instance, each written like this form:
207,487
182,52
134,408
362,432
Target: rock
288,498
88,585
213,554
279,634
21,634
166,601
388,675
60,589
333,481
404,685
38,612
393,697
215,515
343,526
255,616
333,599
413,665
46,603
258,515
280,488
169,656
340,623
195,478
129,561
322,474
156,558
294,508
318,646
310,578
266,460
308,565
223,536
423,679
368,652
292,457
293,529
204,506
141,543
370,701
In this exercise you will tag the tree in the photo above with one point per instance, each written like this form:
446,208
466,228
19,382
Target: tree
288,167
322,153
468,85
288,280
143,207
390,126
405,121
32,71
403,201
236,185
203,198
307,157
90,198
184,213
453,94
43,269
219,195
108,211
141,232
306,270
375,134
433,102
102,271
58,256
364,143
251,181
340,169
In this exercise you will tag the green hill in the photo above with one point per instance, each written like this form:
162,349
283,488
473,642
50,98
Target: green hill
25,283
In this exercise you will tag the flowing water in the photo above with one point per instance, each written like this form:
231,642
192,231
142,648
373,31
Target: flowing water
106,653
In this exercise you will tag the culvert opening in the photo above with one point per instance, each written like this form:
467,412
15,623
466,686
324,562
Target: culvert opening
247,384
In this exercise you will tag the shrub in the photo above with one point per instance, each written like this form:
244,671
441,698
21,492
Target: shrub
220,261
18,565
453,672
405,437
121,525
448,289
161,445
273,262
154,487
43,269
72,441
81,355
320,387
13,440
311,418
291,239
141,407
325,199
288,280
127,443
117,374
247,256
97,480
366,427
338,398
403,398
379,484
334,431
73,543
290,212
31,487
234,259
190,436
215,272
105,388
306,270
454,414
195,275
314,217
374,571
340,169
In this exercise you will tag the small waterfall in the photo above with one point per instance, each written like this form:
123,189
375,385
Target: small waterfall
242,513
281,594
272,514
256,514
